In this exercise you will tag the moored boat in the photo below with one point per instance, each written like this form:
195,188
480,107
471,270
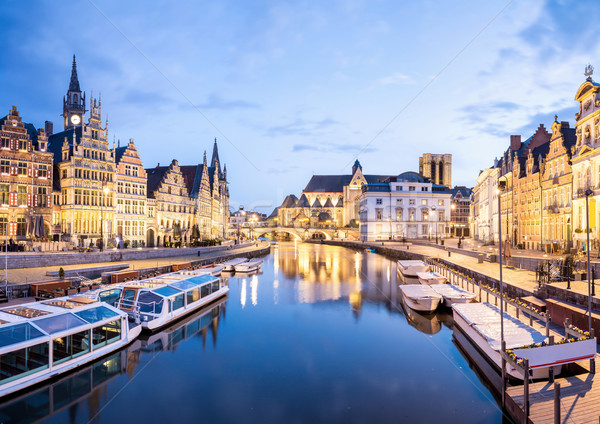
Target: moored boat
44,339
230,264
480,322
161,300
431,278
212,269
420,297
249,266
453,294
409,268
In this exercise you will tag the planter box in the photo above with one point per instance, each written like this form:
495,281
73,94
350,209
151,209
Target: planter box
83,289
558,354
69,292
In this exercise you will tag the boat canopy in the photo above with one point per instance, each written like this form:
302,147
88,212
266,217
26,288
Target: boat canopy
166,291
58,323
96,314
18,333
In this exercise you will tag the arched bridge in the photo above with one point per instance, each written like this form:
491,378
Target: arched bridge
298,233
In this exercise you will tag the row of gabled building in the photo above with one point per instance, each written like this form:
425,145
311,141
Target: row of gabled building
74,186
542,184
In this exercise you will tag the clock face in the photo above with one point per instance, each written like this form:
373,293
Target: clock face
75,119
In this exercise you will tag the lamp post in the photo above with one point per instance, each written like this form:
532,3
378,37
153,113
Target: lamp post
501,188
588,193
105,190
452,208
435,220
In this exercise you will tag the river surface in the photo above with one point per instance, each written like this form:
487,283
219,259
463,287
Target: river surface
320,335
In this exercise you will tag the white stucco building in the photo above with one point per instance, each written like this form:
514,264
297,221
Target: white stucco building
406,206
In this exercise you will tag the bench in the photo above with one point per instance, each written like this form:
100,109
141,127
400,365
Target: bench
534,302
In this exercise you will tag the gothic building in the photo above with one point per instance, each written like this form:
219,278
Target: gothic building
84,168
190,202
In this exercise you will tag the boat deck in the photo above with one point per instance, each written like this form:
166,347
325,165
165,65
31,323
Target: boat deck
579,400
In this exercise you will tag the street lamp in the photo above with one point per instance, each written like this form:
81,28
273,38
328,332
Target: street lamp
452,208
434,220
105,190
588,193
501,188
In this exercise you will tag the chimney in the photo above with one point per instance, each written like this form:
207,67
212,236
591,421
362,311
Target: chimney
48,128
515,142
564,124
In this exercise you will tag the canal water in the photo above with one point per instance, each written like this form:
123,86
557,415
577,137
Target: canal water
320,335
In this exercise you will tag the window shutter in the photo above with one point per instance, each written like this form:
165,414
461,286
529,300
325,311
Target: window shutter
29,171
28,200
35,199
36,174
48,198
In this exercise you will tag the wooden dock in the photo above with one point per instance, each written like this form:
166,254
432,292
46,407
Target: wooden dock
579,400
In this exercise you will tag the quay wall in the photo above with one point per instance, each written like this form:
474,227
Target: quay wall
145,272
33,259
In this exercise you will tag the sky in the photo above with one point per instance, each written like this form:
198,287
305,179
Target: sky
295,88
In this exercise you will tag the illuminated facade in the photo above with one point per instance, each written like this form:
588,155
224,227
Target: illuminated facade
84,166
437,168
188,202
406,206
130,196
25,180
327,201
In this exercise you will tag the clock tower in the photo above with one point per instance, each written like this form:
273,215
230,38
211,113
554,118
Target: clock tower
73,102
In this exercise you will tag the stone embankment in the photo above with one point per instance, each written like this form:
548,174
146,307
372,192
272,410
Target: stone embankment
33,259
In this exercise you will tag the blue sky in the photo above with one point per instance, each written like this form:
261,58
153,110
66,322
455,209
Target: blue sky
295,88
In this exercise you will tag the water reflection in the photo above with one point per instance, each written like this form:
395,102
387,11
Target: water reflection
88,386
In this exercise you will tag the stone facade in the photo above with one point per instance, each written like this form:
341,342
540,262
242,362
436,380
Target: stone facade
437,168
130,196
25,180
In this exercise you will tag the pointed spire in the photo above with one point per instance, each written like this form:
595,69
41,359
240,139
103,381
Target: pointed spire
74,84
205,158
215,155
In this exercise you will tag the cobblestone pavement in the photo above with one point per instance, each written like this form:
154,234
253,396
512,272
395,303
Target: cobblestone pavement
25,275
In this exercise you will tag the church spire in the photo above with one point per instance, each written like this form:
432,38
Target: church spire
215,162
205,158
74,84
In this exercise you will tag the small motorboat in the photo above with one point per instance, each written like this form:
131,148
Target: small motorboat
431,278
213,269
453,294
410,268
249,266
420,297
230,264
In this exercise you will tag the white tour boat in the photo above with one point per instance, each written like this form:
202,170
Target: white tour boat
431,278
41,340
480,322
420,297
453,294
161,300
230,264
409,268
249,266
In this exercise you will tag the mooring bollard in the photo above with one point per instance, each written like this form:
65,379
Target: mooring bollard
556,403
526,390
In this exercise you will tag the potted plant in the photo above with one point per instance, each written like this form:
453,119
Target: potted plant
70,290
